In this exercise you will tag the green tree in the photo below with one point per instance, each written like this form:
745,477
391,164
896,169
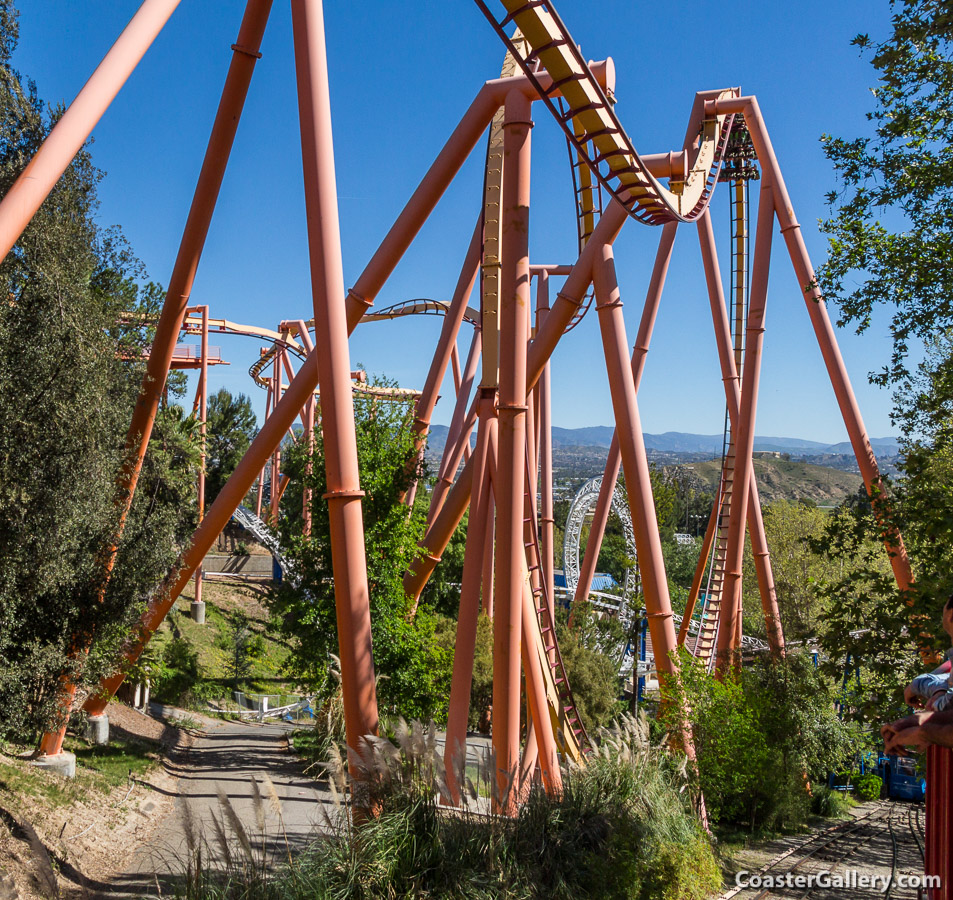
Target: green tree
761,739
70,367
793,531
891,231
230,428
413,665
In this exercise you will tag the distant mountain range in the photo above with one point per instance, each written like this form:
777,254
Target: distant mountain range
680,442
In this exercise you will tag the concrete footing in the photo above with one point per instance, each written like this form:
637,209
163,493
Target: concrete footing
61,764
198,612
97,730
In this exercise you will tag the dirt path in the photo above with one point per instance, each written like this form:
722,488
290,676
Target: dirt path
226,758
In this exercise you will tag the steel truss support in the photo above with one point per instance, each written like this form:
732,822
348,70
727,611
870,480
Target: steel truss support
755,523
337,408
511,467
245,55
729,629
610,476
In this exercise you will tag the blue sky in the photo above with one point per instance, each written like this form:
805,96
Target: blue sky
401,76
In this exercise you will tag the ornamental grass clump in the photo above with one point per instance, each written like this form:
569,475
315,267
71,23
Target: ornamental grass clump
622,827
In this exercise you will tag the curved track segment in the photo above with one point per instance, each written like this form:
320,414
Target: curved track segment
590,122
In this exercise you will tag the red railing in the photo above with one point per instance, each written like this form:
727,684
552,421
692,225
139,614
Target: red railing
939,829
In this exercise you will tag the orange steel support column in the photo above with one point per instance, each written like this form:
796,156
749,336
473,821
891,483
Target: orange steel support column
488,544
726,358
817,309
447,341
540,350
261,476
541,723
545,413
511,466
465,646
458,434
308,422
729,644
273,501
190,248
203,415
610,477
337,407
383,262
76,124
634,461
244,56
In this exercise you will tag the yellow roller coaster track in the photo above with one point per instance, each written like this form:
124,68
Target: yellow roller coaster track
592,126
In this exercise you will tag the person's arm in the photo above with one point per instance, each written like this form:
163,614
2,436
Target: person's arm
938,734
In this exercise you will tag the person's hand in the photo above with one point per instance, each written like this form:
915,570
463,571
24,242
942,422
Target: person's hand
911,697
931,703
909,738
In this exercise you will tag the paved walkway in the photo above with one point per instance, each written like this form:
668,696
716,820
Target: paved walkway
226,757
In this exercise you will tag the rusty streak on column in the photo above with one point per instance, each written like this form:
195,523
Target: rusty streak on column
728,648
729,370
610,476
511,465
334,371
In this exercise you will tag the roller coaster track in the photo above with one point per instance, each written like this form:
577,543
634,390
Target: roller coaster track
417,307
571,735
738,170
265,536
592,126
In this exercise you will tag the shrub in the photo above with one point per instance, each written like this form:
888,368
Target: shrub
830,803
761,740
619,829
868,787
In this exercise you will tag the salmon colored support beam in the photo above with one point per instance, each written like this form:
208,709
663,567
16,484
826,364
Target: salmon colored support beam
538,707
729,645
545,446
448,332
610,476
817,309
245,54
443,170
465,647
203,435
540,350
446,345
76,124
726,358
510,484
351,595
634,460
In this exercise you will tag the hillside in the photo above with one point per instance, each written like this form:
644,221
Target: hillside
780,479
